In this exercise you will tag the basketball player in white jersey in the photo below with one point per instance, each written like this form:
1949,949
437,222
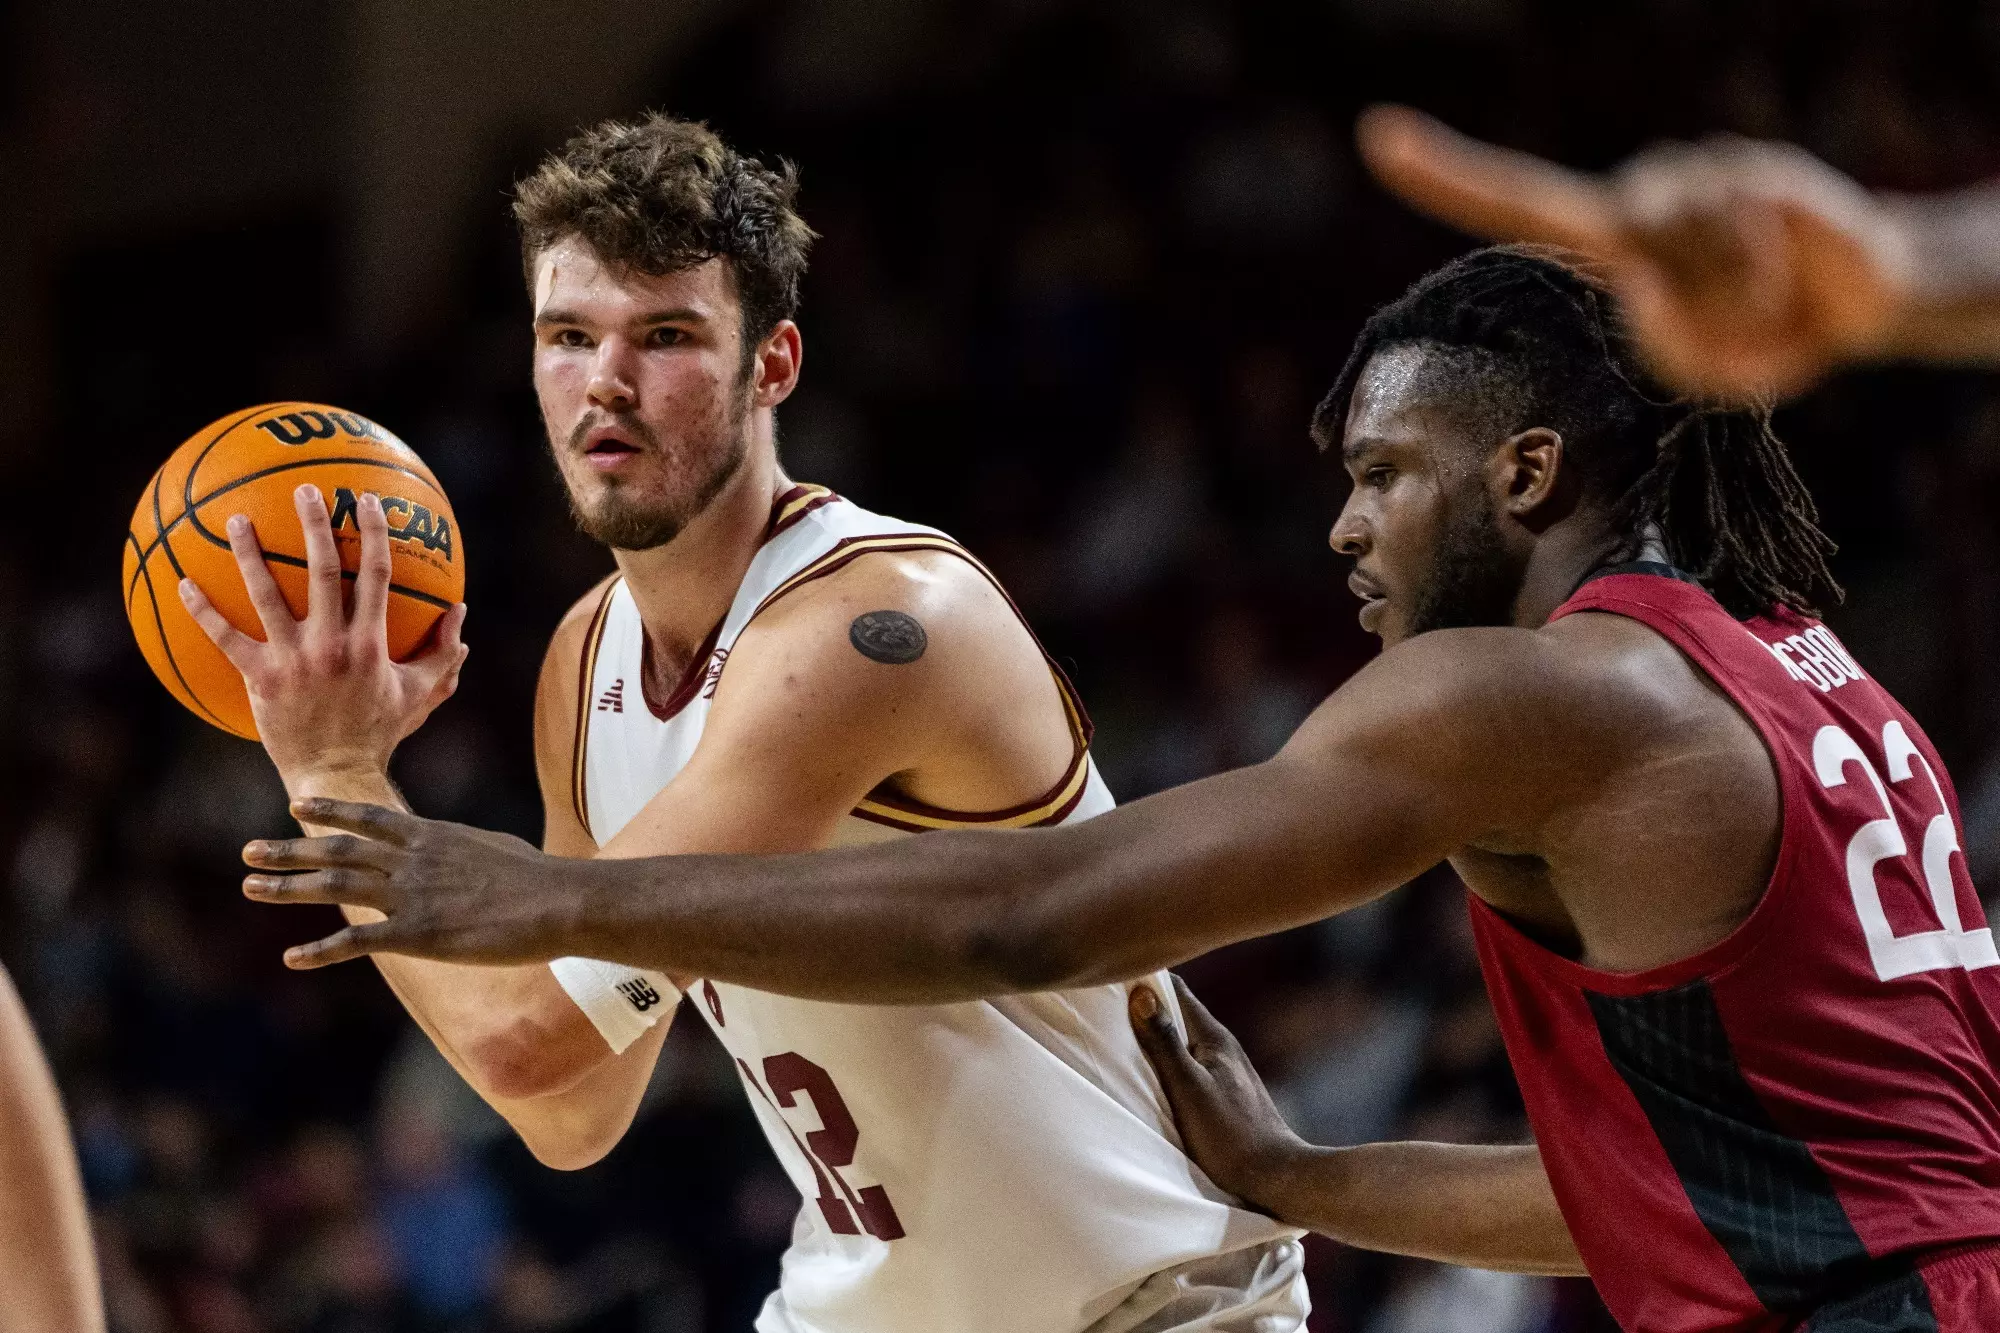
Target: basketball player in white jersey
774,668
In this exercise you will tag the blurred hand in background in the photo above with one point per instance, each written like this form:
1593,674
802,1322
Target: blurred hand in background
1746,270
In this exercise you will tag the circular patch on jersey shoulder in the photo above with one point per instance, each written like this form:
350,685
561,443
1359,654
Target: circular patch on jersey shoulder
888,636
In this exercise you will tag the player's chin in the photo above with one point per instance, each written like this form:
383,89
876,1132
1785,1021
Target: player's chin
603,499
1395,627
1378,616
638,483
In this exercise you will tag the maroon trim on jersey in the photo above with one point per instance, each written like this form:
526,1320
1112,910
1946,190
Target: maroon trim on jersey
793,505
883,796
883,805
586,683
691,675
787,509
839,556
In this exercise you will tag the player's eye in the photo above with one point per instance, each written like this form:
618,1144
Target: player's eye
1379,476
571,338
666,335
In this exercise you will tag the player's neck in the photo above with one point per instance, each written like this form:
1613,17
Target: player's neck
1564,556
684,588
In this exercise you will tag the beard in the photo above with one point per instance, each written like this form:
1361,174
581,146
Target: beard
627,521
1474,580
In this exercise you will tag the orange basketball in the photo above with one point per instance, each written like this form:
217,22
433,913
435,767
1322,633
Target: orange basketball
250,463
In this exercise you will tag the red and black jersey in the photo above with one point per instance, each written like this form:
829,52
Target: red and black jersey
1794,1122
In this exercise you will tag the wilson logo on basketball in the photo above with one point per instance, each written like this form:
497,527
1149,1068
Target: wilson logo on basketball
613,699
408,520
303,427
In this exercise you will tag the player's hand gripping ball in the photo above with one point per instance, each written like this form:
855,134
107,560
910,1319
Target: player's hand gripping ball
250,463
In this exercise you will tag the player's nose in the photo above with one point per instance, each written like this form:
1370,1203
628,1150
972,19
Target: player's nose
611,386
1349,535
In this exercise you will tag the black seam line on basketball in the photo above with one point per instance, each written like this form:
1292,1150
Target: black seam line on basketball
167,647
189,513
160,532
160,529
296,563
194,506
132,588
190,504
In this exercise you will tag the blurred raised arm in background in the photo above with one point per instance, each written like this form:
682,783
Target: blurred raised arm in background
1747,269
48,1269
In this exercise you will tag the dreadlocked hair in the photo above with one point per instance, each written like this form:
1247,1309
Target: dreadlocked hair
1524,338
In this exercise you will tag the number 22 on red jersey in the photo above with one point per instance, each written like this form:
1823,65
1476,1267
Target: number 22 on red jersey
1835,751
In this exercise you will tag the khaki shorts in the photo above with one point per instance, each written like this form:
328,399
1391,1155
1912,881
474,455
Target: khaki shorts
1258,1290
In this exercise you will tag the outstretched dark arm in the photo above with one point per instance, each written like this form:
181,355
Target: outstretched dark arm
1416,755
974,914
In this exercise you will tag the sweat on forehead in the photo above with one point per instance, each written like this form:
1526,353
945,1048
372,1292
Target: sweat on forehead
1533,313
1477,391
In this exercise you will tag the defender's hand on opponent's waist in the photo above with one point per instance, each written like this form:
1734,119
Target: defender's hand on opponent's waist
1481,1206
1228,1122
448,891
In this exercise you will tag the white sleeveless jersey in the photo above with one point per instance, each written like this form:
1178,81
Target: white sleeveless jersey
1006,1166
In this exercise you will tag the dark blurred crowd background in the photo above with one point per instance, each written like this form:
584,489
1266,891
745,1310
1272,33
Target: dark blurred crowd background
1085,266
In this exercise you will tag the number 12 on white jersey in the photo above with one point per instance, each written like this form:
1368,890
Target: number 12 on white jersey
1879,839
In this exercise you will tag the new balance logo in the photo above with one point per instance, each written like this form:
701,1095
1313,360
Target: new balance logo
613,699
640,992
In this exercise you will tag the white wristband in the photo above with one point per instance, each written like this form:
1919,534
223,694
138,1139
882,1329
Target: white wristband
621,1002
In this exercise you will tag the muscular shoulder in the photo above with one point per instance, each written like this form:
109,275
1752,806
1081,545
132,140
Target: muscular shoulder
1582,677
923,656
1613,676
893,627
1535,715
944,593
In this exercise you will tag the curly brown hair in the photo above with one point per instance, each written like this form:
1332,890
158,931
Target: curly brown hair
658,195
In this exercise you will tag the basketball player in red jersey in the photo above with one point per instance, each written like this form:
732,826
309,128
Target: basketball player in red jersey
1740,969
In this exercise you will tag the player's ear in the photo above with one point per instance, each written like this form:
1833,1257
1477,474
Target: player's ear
1529,474
775,364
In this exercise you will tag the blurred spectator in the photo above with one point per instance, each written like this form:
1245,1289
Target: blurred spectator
1343,1057
443,1218
1435,1298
